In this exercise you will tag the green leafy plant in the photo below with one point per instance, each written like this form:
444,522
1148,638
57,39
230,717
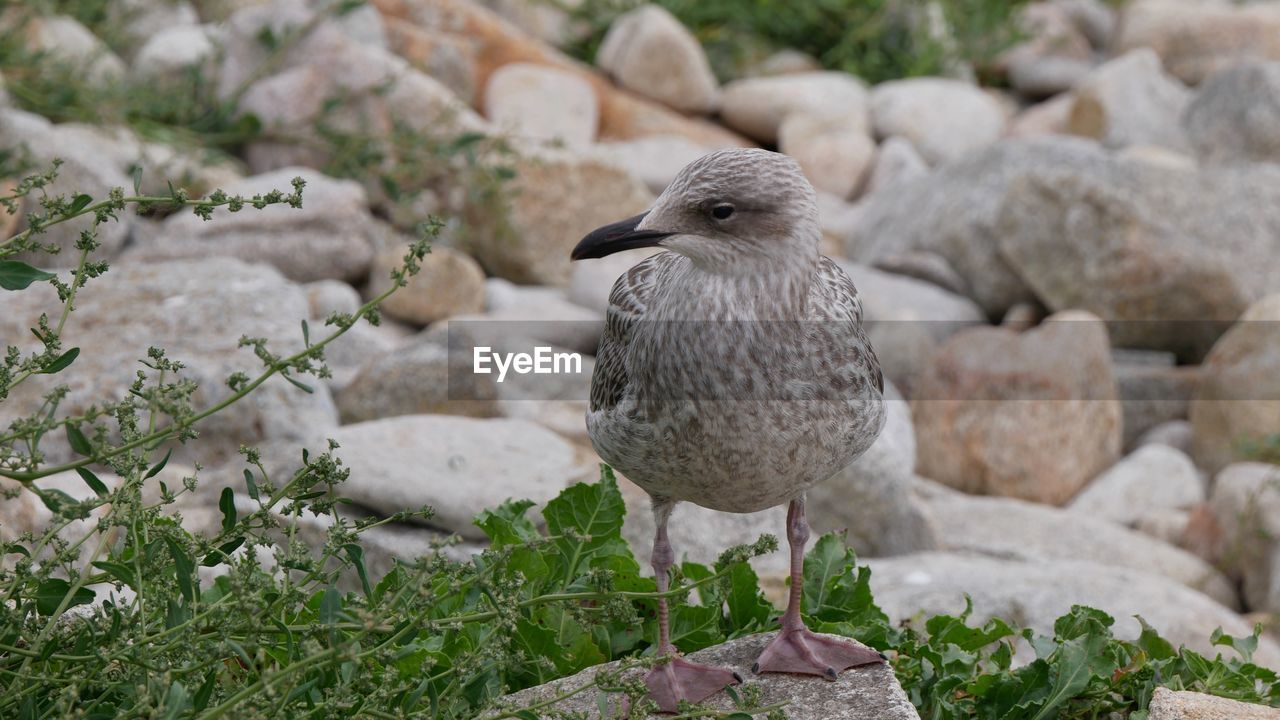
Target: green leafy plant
876,40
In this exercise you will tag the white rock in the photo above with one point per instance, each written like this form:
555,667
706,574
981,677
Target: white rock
1176,434
1044,118
541,313
1246,504
1169,704
655,159
1235,116
542,103
325,297
649,52
945,119
1130,101
140,20
448,283
65,39
593,280
1151,478
896,162
172,52
757,106
834,154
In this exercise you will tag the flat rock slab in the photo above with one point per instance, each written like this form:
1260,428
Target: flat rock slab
1172,705
865,693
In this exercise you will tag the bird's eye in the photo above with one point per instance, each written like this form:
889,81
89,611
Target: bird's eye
722,211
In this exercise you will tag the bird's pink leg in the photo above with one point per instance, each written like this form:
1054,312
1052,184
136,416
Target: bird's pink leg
796,649
677,679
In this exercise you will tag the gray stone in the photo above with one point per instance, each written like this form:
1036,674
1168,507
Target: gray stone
1095,18
358,347
1006,528
655,159
1152,395
1031,415
944,119
1153,477
866,693
1235,116
927,266
139,20
87,168
448,283
170,54
1197,39
329,237
1169,704
593,280
649,52
65,40
540,102
1130,101
197,310
1176,434
1034,594
1053,58
542,314
325,297
1136,243
416,380
835,157
1044,118
1239,395
457,465
757,106
908,319
1246,505
896,162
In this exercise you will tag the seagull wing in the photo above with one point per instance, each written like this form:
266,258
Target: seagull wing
835,299
631,295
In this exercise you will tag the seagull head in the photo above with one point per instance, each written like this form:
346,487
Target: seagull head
728,211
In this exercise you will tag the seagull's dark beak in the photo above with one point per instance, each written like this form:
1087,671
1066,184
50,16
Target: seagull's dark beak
616,237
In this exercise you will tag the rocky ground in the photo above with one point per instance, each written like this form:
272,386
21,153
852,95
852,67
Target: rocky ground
1127,175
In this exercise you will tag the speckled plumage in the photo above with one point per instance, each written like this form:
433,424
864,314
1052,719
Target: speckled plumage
735,390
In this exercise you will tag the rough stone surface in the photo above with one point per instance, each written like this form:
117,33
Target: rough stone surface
649,52
1053,58
1034,594
555,199
1197,39
417,380
197,310
896,162
542,103
449,283
866,693
1235,116
329,237
945,119
1246,505
656,159
873,499
87,168
1130,101
1005,528
1152,394
992,402
835,157
1153,477
1169,704
757,106
1138,243
457,465
907,319
1239,396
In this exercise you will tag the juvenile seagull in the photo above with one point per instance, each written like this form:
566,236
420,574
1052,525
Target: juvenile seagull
733,373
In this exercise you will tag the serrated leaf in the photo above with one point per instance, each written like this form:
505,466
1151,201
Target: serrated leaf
155,469
507,524
587,518
17,275
227,504
79,443
62,362
98,487
50,594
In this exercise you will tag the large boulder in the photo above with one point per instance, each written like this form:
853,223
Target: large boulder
1153,478
1009,529
542,103
418,379
1197,39
1031,415
835,157
1034,594
457,465
556,198
945,119
195,309
1239,396
330,237
757,106
1130,101
649,52
1246,506
1235,116
655,159
62,39
448,283
1169,704
866,693
896,162
1168,257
